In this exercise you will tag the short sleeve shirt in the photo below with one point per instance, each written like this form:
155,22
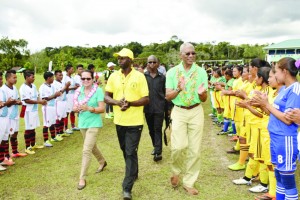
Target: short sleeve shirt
13,94
3,111
72,81
193,78
86,118
29,92
132,87
58,86
47,91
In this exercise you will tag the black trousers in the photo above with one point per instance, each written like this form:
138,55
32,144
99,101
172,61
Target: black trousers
129,138
155,123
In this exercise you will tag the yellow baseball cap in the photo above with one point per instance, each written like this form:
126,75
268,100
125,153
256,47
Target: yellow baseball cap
125,53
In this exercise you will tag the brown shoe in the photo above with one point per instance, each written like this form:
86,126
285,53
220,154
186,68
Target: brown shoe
174,181
191,191
101,168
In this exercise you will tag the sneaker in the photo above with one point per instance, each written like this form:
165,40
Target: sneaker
107,116
258,189
2,168
69,131
15,155
222,132
57,138
38,146
237,166
7,162
75,129
211,115
266,196
29,151
48,144
242,181
64,135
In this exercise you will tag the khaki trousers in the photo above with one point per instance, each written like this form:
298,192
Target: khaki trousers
187,130
90,147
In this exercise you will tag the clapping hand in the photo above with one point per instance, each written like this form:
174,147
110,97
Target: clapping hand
293,115
181,83
201,89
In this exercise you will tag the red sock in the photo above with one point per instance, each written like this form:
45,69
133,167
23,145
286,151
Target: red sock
27,138
52,131
45,133
66,121
6,148
32,140
14,144
72,118
1,151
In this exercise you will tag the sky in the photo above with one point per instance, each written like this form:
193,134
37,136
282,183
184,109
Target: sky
89,23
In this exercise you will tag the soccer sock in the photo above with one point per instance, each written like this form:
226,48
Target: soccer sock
72,118
272,183
32,134
57,126
45,133
226,124
52,131
27,138
243,153
289,183
6,148
237,146
14,144
280,191
66,121
251,166
214,111
263,174
62,121
233,127
220,117
2,151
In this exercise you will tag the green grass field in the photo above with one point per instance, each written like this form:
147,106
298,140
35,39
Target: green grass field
52,173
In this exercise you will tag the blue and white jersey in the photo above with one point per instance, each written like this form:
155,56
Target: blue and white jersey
4,110
59,86
47,91
72,81
13,111
287,99
29,92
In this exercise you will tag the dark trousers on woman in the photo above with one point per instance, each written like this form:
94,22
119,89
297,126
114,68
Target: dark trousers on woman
155,123
129,138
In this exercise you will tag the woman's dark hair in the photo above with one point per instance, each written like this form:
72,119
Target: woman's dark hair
91,66
228,72
218,71
246,67
256,62
239,68
288,64
89,71
264,73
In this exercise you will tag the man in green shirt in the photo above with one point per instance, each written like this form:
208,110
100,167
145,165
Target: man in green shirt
186,86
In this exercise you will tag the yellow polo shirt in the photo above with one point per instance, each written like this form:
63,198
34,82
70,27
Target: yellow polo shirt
132,87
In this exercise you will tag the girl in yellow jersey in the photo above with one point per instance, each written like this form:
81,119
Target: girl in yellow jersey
219,104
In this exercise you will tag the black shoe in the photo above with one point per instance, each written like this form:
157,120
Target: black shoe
127,195
157,157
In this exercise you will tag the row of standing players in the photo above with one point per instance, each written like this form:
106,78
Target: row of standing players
261,103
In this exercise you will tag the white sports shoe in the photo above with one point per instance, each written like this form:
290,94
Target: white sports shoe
242,181
69,131
258,189
2,168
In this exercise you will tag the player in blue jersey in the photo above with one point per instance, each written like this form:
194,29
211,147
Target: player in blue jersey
283,132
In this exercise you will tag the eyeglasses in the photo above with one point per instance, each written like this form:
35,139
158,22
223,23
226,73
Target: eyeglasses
190,53
88,79
152,62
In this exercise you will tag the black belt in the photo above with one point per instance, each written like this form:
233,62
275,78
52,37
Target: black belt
189,107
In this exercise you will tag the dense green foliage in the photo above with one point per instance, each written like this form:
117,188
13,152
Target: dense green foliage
15,53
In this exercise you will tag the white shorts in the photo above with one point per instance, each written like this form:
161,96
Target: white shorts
3,128
32,120
61,109
70,102
13,126
49,115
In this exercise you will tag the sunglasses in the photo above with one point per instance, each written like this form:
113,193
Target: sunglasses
88,79
152,62
190,53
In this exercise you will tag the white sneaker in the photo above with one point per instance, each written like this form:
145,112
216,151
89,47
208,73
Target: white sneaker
242,181
48,144
258,189
69,131
2,168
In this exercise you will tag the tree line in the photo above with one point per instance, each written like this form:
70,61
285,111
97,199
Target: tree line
15,53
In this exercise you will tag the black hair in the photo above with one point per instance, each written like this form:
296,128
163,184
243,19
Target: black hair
9,73
228,72
288,63
68,67
89,71
264,73
80,65
256,62
27,73
91,66
48,75
219,72
57,71
239,68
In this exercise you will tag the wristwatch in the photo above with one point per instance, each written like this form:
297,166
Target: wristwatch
178,90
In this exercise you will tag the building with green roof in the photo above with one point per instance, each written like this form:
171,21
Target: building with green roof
288,48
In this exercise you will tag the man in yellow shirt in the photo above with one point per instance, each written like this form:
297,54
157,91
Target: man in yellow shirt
127,91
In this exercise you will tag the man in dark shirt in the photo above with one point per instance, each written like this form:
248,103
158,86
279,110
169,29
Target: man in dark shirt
154,111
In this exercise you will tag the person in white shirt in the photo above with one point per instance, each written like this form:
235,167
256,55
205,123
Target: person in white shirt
77,77
47,92
70,96
61,104
12,127
30,101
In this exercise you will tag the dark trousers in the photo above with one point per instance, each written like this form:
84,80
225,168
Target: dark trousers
155,123
108,108
129,138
